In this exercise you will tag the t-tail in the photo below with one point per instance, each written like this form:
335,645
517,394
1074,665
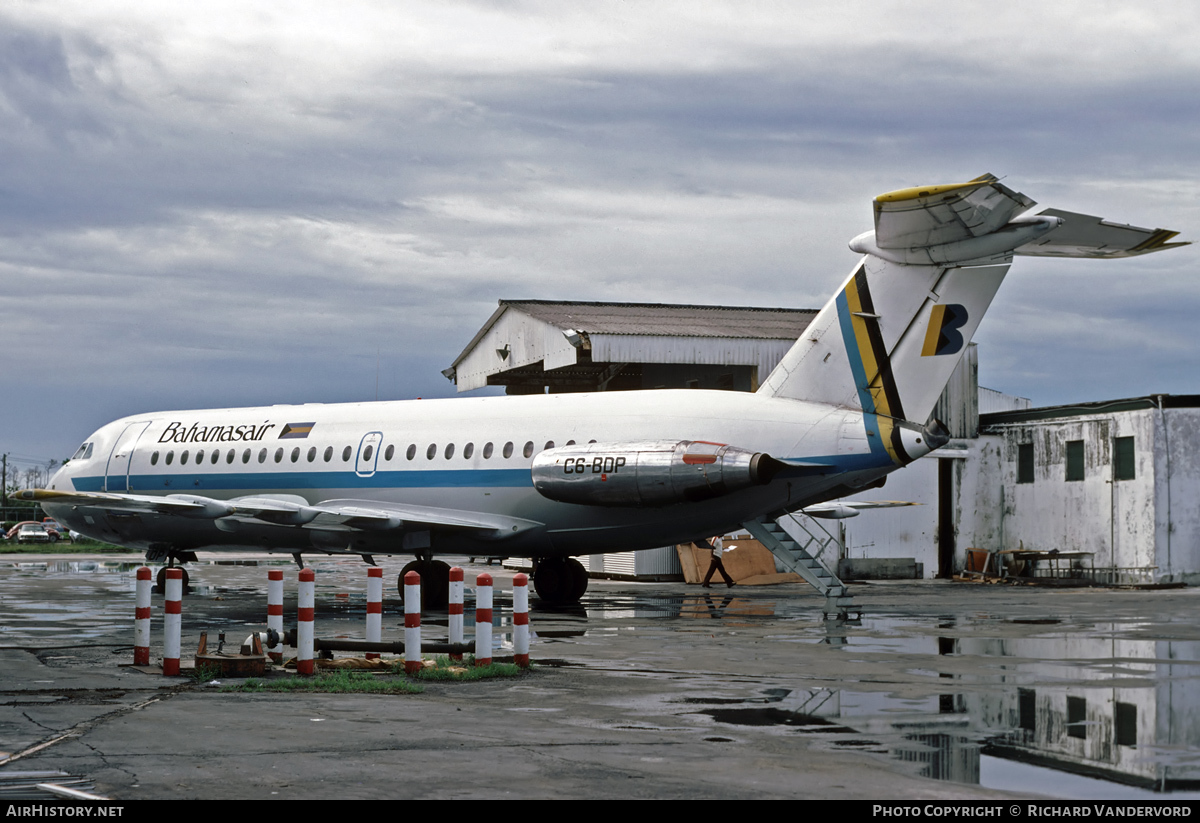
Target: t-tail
889,340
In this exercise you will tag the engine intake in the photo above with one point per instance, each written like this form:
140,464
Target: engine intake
647,474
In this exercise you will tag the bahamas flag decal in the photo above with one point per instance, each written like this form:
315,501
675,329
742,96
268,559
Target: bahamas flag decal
293,431
871,367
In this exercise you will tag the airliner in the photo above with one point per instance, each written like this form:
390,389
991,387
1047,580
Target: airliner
554,477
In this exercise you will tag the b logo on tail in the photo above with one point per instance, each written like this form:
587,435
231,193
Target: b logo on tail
943,336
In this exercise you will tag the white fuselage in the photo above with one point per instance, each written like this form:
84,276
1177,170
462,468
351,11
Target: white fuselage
469,454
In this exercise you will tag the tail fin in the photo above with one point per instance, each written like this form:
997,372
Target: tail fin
888,341
893,334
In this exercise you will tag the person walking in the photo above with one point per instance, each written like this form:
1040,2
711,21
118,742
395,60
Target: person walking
718,549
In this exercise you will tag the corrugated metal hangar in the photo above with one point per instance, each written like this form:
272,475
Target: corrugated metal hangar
1106,490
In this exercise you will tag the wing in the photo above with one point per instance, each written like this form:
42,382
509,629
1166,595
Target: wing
290,510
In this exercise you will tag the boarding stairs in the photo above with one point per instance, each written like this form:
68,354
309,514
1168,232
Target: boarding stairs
804,558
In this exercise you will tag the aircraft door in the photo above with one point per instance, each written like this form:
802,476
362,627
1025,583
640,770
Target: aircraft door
368,454
116,473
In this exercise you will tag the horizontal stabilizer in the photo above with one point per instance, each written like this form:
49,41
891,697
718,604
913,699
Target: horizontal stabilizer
935,215
1082,235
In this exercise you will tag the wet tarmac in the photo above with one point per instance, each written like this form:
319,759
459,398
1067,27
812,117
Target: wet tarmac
656,690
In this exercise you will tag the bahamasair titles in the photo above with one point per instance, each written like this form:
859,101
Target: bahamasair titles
554,477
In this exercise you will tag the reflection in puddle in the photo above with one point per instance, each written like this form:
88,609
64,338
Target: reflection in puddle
1060,707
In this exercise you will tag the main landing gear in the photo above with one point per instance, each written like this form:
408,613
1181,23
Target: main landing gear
160,554
161,579
559,581
435,583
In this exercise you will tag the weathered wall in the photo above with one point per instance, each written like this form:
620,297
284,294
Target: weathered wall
1113,519
1178,517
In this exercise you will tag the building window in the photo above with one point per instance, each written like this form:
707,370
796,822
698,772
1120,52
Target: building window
1025,463
1123,462
1074,460
1027,709
1076,715
1126,724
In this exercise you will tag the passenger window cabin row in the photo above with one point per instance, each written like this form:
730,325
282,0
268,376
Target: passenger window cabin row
214,456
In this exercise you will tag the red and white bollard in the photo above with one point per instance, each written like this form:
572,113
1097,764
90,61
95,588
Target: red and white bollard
483,620
306,608
374,608
172,622
141,618
521,620
275,612
412,622
456,609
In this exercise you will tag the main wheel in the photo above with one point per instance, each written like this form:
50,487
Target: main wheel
579,579
560,582
161,580
435,583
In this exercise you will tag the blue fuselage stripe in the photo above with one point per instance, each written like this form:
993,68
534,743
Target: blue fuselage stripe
432,479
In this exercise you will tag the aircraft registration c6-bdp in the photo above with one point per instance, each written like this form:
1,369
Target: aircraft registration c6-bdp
550,477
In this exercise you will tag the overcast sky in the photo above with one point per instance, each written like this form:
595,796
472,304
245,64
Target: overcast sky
216,204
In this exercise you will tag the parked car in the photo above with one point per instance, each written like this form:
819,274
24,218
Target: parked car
32,533
56,531
53,535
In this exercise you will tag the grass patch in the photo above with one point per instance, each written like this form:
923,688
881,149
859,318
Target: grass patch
465,670
337,682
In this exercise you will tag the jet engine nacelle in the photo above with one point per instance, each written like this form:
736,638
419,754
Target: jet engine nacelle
653,473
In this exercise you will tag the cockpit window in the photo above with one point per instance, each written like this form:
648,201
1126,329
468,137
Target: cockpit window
83,453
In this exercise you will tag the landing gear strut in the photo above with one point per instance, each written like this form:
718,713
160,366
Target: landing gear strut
435,583
560,581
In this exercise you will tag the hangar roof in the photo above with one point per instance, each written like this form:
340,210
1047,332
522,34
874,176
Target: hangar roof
554,335
668,318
